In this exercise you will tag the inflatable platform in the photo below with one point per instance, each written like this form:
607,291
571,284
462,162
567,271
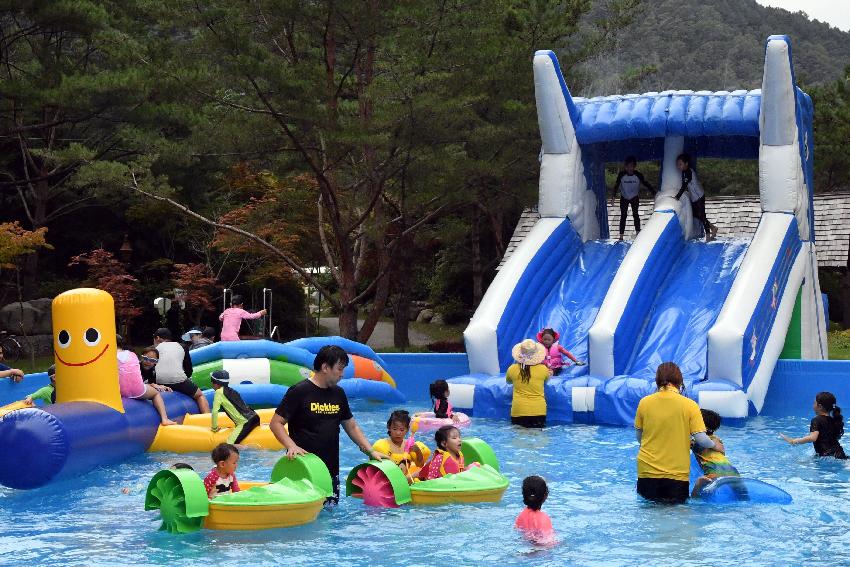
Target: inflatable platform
722,310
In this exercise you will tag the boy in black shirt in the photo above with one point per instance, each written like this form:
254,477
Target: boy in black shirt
628,183
314,409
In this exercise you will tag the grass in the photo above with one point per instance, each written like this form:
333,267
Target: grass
29,365
839,345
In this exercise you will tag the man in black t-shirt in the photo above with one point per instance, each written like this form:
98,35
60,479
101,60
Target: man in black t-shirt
314,409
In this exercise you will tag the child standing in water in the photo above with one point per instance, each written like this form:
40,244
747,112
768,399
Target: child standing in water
713,463
439,390
628,182
448,458
533,521
222,477
553,361
232,317
825,429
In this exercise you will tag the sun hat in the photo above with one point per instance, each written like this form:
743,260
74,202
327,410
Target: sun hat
186,336
529,352
221,377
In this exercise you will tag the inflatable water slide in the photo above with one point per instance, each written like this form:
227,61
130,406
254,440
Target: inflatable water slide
724,311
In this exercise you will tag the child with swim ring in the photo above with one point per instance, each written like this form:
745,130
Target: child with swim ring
231,319
447,457
46,394
440,397
826,428
222,477
408,454
244,418
534,522
554,352
713,463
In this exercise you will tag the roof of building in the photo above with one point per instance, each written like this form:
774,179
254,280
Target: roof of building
735,217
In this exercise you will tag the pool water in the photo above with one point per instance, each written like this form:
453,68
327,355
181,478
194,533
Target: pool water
591,475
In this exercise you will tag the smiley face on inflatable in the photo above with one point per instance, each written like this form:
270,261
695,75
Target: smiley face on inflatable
84,348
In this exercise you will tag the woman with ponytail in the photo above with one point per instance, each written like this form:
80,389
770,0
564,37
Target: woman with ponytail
528,375
826,428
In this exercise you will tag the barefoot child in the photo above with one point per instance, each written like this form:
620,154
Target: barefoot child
132,385
533,521
713,463
245,419
407,454
222,477
825,429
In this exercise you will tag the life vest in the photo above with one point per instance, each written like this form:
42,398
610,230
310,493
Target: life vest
553,356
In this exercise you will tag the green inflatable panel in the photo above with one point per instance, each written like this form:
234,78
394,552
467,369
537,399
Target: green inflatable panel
284,491
275,371
307,467
476,450
482,478
181,499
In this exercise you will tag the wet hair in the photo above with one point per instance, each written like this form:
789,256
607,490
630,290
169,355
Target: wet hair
668,374
330,355
208,333
684,157
827,401
120,342
629,159
534,492
525,373
236,300
163,334
442,435
439,389
711,420
398,416
222,452
182,466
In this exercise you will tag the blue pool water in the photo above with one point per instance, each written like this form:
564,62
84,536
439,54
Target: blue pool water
591,475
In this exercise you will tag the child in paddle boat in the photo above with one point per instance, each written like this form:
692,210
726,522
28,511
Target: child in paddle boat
447,458
404,452
549,339
534,522
826,428
713,463
439,390
222,478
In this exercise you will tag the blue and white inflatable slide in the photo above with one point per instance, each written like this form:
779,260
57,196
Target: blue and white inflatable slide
721,310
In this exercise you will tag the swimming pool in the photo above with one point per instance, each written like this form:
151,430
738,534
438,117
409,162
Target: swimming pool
591,474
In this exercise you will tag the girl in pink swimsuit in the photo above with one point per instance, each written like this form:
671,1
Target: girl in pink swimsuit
231,319
534,522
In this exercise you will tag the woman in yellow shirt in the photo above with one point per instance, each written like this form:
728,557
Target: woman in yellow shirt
528,375
664,423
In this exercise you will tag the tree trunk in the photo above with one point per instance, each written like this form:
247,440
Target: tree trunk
379,301
401,308
477,274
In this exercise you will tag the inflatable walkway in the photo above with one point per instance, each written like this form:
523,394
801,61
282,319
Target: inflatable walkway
724,311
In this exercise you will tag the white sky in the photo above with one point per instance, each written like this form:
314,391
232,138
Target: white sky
834,12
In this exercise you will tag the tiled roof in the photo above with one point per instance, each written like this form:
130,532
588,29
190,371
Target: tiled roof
736,217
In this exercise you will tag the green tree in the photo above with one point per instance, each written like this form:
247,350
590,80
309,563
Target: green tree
832,134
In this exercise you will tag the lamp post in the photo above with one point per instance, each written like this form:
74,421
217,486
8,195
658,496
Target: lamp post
126,250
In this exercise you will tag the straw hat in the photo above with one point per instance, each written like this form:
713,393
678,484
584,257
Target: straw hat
529,352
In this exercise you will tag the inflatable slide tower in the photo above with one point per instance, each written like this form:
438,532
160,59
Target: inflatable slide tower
724,311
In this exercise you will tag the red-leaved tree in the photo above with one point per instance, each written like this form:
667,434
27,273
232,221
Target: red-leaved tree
105,272
200,285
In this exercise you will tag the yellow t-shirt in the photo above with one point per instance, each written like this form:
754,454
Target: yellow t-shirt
667,419
529,399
